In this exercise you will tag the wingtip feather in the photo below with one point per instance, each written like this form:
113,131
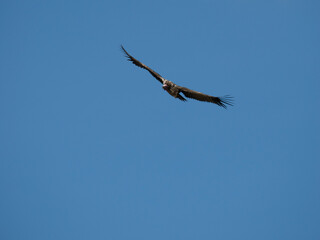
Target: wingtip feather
224,101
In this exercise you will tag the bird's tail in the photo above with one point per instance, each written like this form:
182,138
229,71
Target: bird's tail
181,98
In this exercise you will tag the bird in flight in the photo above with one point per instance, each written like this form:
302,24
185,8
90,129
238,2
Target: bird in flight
175,90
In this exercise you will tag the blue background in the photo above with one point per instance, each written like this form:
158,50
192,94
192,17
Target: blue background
93,148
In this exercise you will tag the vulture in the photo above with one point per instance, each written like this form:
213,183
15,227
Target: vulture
176,90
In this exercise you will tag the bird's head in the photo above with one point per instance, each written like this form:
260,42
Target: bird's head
165,86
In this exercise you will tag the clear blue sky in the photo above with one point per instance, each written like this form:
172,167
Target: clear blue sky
93,148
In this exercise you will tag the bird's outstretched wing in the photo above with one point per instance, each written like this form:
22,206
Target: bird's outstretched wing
221,101
139,64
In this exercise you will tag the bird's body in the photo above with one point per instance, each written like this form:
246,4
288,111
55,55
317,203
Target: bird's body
172,89
175,90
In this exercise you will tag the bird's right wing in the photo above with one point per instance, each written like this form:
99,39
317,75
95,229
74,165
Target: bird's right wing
140,64
221,101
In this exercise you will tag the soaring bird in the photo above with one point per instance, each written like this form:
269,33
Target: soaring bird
175,90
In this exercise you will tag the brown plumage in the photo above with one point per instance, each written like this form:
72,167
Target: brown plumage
175,90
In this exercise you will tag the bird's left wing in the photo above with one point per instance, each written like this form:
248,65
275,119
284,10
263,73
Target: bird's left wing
140,64
221,101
